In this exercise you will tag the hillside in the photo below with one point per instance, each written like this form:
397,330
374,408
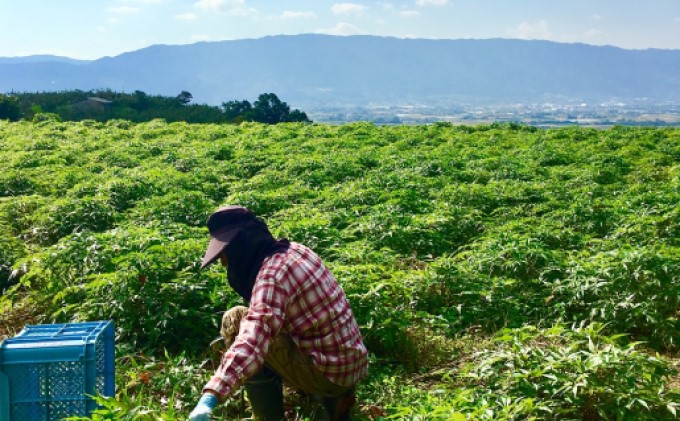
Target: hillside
40,59
315,70
497,272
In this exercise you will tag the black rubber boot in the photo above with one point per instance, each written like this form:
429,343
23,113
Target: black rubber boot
339,408
265,393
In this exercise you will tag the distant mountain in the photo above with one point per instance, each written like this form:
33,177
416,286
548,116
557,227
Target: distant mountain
315,70
41,58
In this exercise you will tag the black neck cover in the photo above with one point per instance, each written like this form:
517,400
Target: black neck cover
247,251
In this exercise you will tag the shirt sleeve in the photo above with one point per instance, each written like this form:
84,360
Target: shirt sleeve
261,324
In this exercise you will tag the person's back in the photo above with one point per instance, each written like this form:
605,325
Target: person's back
318,316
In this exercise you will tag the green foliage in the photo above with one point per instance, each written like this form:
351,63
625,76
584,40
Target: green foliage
441,237
144,278
106,105
633,290
555,373
584,374
43,117
236,110
11,250
9,108
267,109
158,388
65,216
271,110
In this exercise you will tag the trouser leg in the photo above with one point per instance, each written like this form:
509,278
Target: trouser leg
297,369
339,408
265,393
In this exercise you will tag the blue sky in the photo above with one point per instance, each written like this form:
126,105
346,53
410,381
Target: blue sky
90,29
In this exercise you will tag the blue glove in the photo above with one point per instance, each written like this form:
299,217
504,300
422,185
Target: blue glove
204,408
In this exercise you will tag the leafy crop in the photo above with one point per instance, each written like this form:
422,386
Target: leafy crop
497,271
555,373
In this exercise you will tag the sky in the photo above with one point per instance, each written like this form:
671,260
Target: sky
90,29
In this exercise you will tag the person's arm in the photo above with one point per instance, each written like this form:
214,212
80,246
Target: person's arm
261,324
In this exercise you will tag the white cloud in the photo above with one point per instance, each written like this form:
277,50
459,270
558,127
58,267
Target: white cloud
595,17
227,7
186,16
386,5
211,5
348,9
676,20
341,28
198,38
527,30
594,33
431,2
297,15
123,10
141,1
409,13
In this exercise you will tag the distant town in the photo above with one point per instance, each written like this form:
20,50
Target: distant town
540,115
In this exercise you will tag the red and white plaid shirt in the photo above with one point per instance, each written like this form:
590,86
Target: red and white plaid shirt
295,294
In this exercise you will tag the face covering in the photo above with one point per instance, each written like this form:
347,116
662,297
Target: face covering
245,253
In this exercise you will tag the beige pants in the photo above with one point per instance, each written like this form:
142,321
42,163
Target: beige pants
295,368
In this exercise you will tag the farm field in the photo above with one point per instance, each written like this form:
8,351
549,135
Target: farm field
498,272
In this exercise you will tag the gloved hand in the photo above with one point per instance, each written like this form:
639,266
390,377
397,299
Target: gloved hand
204,408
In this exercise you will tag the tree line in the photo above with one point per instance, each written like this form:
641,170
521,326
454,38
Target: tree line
138,106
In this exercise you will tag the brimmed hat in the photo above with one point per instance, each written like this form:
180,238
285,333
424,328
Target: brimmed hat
223,225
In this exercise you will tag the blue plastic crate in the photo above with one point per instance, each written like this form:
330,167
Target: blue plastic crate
48,371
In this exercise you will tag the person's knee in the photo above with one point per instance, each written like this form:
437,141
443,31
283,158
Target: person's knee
265,375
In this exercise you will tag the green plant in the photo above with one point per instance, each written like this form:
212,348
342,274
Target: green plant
441,236
577,373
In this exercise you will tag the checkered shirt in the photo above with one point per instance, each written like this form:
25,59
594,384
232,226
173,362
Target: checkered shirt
295,294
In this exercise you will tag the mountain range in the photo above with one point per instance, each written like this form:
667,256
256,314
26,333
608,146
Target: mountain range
322,70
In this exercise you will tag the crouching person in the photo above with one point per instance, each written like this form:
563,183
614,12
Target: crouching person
298,327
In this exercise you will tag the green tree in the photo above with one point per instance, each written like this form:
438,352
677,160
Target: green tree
9,108
298,116
184,97
270,109
237,110
141,101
